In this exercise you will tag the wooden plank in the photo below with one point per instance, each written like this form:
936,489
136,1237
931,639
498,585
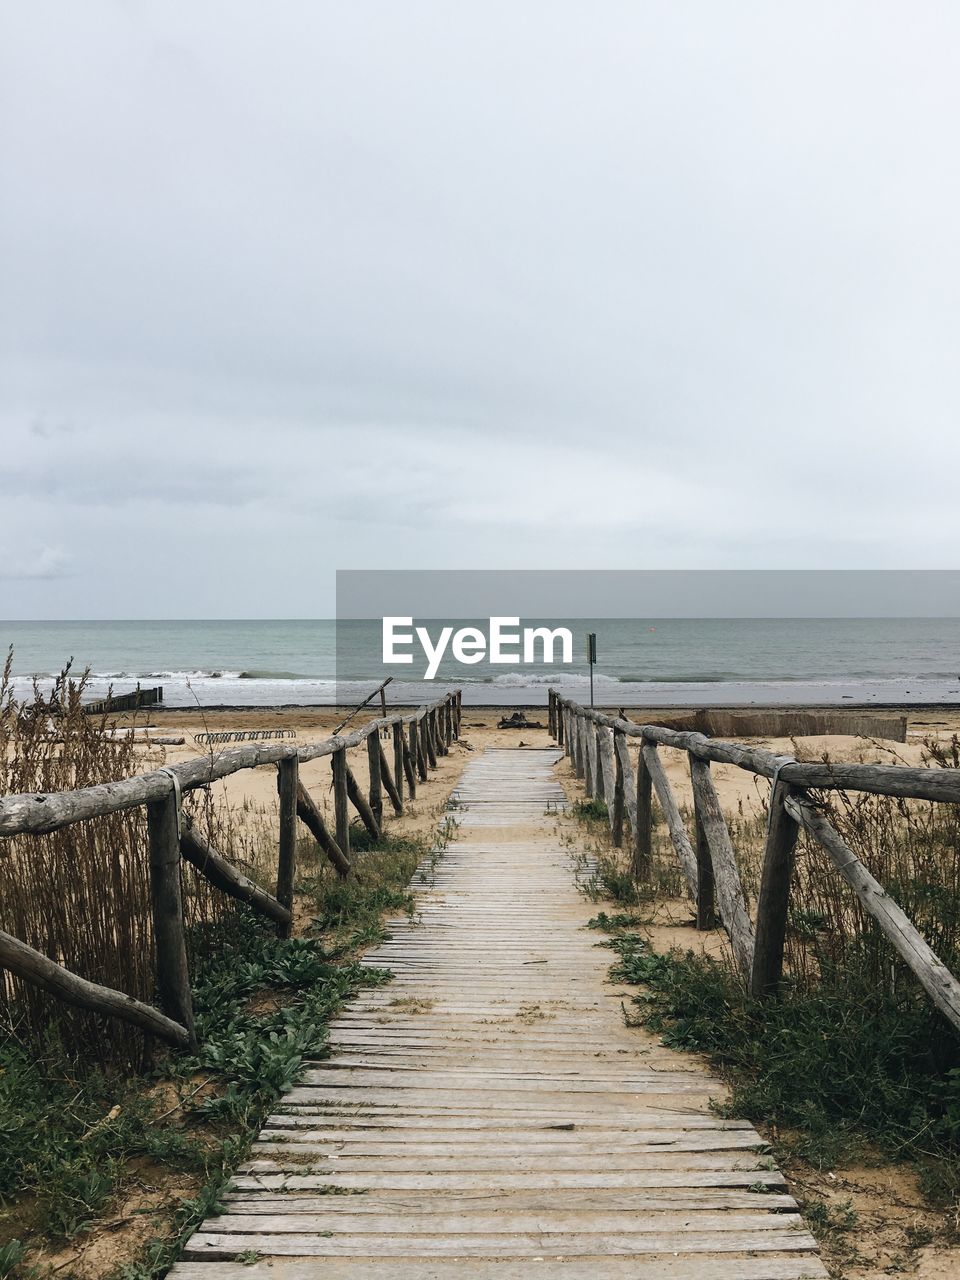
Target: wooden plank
211,1243
664,1267
490,1105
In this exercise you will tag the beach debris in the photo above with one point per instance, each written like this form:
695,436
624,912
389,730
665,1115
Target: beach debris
518,721
242,735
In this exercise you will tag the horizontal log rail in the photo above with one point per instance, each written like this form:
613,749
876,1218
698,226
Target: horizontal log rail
173,838
40,813
597,746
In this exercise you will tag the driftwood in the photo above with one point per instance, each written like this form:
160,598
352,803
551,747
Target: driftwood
929,970
312,819
227,878
37,969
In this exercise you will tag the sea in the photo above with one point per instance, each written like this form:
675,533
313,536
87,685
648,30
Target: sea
641,662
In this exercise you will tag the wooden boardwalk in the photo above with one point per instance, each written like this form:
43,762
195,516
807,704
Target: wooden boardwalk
488,1112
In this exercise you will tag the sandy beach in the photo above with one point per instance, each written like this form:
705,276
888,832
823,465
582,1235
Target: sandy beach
254,790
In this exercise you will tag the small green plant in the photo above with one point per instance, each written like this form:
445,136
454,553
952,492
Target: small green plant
12,1255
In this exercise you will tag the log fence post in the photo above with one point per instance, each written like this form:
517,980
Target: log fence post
288,781
643,834
375,794
340,801
706,889
166,895
616,823
773,900
391,786
430,738
411,758
398,766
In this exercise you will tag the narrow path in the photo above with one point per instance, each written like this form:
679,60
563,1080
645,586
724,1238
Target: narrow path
489,1112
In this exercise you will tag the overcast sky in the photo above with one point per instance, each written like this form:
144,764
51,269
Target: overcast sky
292,287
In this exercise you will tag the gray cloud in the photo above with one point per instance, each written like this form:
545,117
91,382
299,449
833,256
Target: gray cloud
43,563
537,285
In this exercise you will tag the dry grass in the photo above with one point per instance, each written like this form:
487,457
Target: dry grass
81,895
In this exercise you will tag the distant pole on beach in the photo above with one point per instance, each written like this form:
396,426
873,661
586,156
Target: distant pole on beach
591,658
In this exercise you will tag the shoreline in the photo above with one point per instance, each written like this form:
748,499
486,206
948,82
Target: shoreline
684,708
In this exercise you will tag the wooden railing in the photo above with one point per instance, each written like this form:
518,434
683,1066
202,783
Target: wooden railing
597,746
418,739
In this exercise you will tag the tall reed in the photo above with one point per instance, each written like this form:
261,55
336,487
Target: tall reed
81,894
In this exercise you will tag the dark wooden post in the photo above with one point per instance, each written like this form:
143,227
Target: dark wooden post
389,786
616,825
706,891
430,737
559,712
448,720
411,759
288,782
576,732
599,789
418,737
643,836
459,710
376,785
169,934
551,714
340,801
398,760
774,897
587,755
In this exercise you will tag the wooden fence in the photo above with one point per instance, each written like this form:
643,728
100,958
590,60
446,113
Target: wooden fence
597,746
126,701
418,739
